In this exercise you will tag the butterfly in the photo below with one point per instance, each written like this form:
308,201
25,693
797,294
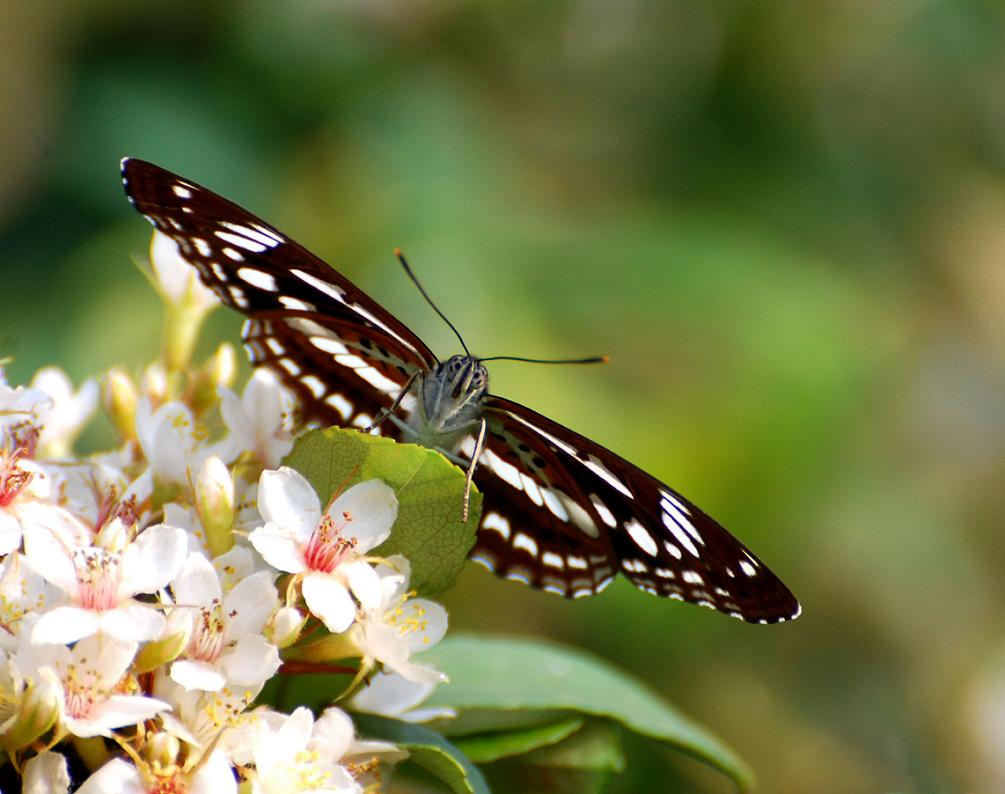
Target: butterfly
560,513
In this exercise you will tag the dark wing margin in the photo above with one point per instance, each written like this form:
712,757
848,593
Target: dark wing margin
564,514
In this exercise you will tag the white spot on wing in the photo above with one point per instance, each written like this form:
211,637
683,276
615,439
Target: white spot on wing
230,252
241,242
555,504
693,577
321,286
682,537
505,471
328,345
315,384
181,191
605,515
237,295
340,404
290,366
553,560
525,542
202,246
258,278
296,305
496,522
256,234
747,568
377,379
577,562
642,537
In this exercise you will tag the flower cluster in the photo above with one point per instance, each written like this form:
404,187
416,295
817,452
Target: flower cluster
149,593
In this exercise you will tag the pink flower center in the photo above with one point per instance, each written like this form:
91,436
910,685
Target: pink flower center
79,699
327,548
98,575
13,479
207,635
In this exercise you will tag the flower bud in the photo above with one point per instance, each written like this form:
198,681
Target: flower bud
218,370
154,385
40,708
187,300
160,652
119,396
286,626
162,752
113,536
214,504
221,367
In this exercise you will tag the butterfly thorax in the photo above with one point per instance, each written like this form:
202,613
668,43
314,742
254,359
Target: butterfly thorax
449,401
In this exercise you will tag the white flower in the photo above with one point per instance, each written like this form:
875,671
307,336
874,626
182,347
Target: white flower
298,757
23,593
392,695
225,632
23,484
167,437
67,412
259,422
219,719
46,773
212,776
325,551
19,412
100,584
176,280
400,625
90,676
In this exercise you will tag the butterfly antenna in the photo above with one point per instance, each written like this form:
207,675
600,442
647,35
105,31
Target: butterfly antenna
590,360
408,269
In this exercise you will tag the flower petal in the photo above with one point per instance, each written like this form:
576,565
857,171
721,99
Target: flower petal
197,675
364,582
152,560
50,558
277,548
250,605
373,508
115,712
287,499
64,624
131,621
329,600
197,583
251,661
117,775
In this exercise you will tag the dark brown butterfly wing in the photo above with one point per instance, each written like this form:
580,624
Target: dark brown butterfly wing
565,514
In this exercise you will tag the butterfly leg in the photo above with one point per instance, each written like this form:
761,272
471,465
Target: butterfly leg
469,475
386,412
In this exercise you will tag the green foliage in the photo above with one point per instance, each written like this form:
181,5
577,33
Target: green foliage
430,490
490,674
429,750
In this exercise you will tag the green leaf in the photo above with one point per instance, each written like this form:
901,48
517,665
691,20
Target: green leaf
430,490
485,747
428,749
596,747
519,674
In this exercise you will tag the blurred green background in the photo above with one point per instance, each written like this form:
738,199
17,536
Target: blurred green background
783,221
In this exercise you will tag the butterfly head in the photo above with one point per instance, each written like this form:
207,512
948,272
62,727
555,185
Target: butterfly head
463,377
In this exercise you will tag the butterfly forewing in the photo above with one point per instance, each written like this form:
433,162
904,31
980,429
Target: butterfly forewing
561,513
255,268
